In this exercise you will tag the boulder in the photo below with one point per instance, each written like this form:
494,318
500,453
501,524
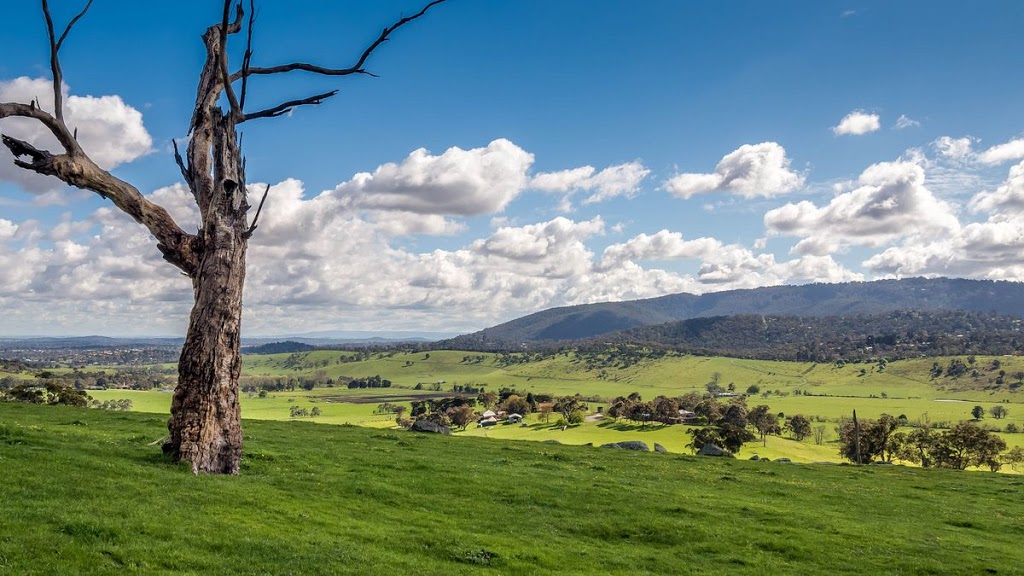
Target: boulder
552,441
428,426
783,460
714,450
755,457
660,449
628,445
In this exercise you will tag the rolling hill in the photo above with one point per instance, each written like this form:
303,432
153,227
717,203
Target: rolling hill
812,300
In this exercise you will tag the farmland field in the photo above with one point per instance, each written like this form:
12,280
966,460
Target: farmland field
824,392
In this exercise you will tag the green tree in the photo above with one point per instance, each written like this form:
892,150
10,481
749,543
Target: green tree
1014,458
998,411
967,444
568,406
461,416
978,412
764,421
799,427
516,404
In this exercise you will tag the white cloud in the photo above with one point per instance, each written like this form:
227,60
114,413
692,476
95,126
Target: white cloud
890,202
993,250
1009,151
613,181
750,171
458,182
857,123
955,149
904,122
723,265
110,131
1007,200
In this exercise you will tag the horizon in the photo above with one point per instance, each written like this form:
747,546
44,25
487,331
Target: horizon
496,168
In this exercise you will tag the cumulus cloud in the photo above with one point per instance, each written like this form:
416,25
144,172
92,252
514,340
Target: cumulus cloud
1000,153
727,265
457,182
992,249
1007,200
857,123
890,202
613,181
750,171
110,131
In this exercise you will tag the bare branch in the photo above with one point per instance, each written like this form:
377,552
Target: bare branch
71,24
356,68
58,77
33,110
288,106
247,57
177,247
252,228
21,148
181,164
236,110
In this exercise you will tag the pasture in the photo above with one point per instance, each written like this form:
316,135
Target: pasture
824,392
88,492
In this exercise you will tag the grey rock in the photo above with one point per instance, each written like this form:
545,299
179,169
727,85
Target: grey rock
714,450
428,426
783,460
628,445
660,449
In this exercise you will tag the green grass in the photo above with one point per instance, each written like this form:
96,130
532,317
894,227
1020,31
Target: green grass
907,385
87,492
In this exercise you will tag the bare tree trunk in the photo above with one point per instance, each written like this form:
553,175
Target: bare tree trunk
205,426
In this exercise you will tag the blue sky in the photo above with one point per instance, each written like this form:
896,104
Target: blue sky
729,145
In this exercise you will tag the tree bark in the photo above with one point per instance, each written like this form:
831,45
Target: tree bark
205,426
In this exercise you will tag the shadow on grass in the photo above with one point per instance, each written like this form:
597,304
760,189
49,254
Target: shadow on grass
625,427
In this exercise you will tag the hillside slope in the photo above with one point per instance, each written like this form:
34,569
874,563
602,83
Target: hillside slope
879,297
87,492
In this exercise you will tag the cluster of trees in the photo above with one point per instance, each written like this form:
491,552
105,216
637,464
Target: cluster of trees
133,378
662,409
389,408
121,405
964,445
860,337
461,411
730,425
456,411
253,384
297,412
46,392
370,382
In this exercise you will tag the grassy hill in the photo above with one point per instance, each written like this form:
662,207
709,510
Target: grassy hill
87,492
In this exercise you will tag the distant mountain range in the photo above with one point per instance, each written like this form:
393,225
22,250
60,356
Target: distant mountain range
300,342
575,323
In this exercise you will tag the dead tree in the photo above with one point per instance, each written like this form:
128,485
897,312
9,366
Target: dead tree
205,424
